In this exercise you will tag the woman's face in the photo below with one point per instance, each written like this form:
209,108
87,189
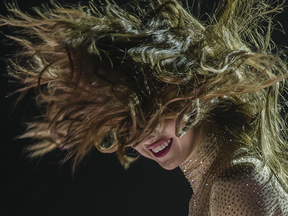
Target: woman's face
168,150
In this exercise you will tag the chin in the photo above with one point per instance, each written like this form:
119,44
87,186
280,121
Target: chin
168,166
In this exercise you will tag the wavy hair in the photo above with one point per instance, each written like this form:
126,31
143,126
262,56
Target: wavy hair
108,76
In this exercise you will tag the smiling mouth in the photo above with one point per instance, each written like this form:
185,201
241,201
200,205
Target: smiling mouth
162,148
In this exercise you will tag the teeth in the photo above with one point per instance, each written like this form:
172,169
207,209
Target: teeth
160,148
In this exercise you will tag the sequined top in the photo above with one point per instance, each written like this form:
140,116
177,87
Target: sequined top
225,184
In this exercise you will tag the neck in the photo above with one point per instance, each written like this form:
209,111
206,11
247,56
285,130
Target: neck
211,154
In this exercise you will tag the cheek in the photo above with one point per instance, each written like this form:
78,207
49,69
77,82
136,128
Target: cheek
144,152
141,151
138,150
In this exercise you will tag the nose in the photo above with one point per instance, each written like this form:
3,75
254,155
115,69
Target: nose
155,133
149,140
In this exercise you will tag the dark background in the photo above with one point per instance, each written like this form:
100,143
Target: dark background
100,186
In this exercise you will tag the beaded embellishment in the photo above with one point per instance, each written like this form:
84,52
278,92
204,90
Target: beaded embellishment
224,184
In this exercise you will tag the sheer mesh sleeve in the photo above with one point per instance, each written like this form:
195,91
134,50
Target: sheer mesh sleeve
242,191
226,184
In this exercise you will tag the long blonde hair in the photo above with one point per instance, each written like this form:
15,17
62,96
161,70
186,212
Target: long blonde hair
109,75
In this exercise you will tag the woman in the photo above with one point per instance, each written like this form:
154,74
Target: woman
205,97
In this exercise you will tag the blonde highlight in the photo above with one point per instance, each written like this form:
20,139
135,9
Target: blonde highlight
103,69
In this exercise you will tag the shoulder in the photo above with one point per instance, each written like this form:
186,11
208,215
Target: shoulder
242,188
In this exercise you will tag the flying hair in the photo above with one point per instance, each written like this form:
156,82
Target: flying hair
109,75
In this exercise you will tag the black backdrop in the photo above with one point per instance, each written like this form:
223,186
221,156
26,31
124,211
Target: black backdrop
100,185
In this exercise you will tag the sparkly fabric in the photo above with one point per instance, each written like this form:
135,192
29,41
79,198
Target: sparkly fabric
225,184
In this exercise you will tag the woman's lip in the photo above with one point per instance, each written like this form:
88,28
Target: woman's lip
164,151
158,144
